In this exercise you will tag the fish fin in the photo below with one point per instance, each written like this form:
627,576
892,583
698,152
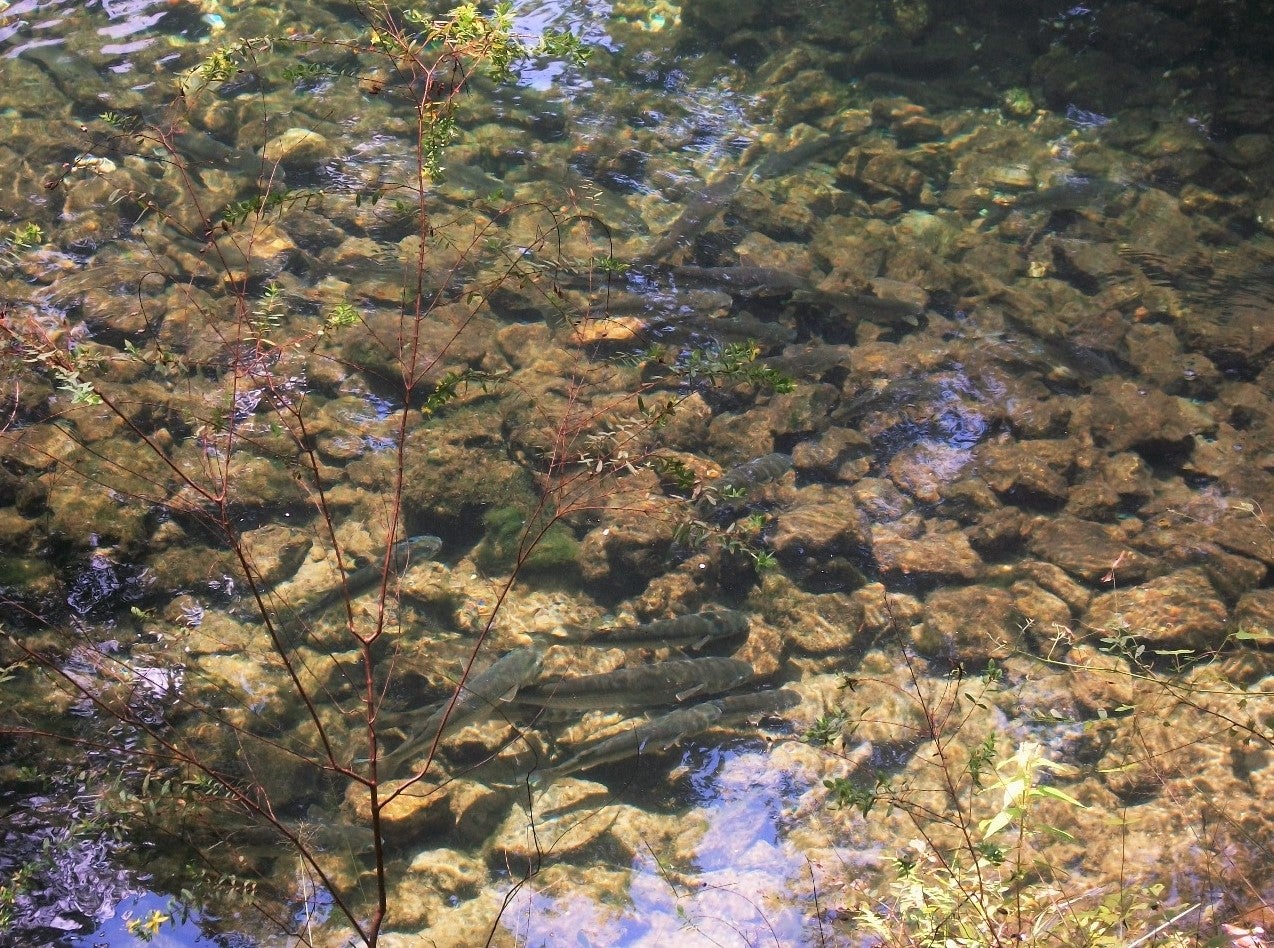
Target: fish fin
701,643
558,322
688,693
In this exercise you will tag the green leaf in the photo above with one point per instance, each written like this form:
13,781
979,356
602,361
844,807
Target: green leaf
997,823
1059,795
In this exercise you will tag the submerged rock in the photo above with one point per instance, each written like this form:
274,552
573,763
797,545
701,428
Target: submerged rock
939,556
1178,610
1088,550
1254,616
569,816
1126,415
822,522
970,625
1029,469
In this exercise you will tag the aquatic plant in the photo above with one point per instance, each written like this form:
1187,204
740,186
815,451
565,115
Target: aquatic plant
249,403
1003,839
232,445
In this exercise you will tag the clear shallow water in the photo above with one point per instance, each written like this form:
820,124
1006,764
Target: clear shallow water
1090,349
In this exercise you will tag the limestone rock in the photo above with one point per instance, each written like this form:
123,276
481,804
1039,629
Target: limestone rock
1028,469
1178,610
570,815
1058,582
1048,615
813,624
940,556
1124,415
1087,550
418,807
925,469
298,147
1254,615
635,548
275,551
823,521
968,625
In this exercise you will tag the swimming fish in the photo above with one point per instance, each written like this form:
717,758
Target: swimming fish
762,470
756,704
666,730
739,281
642,686
691,631
699,213
853,308
365,577
655,735
479,697
1072,193
708,203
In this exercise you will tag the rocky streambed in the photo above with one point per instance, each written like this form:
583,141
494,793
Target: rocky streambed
1017,266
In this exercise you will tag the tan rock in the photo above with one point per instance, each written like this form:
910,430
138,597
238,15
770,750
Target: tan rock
298,147
968,625
944,556
1180,609
569,816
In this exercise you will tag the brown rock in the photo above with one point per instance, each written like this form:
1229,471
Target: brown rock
814,624
822,521
923,470
1254,616
1178,610
1033,469
886,612
635,547
880,500
1049,617
999,531
420,806
275,552
1087,550
1241,531
968,625
826,455
569,815
1058,582
1101,683
298,147
941,556
1124,415
1119,482
1186,545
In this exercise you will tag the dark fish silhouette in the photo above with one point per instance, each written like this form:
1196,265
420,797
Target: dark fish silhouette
755,705
480,696
714,198
640,687
656,735
365,577
691,631
762,470
666,730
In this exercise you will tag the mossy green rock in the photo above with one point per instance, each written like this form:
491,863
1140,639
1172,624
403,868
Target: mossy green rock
556,549
457,462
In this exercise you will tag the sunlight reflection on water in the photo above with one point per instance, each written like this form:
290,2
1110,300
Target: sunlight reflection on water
743,887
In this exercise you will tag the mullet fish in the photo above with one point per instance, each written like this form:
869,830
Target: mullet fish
653,736
666,730
755,705
365,577
692,631
478,697
640,687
